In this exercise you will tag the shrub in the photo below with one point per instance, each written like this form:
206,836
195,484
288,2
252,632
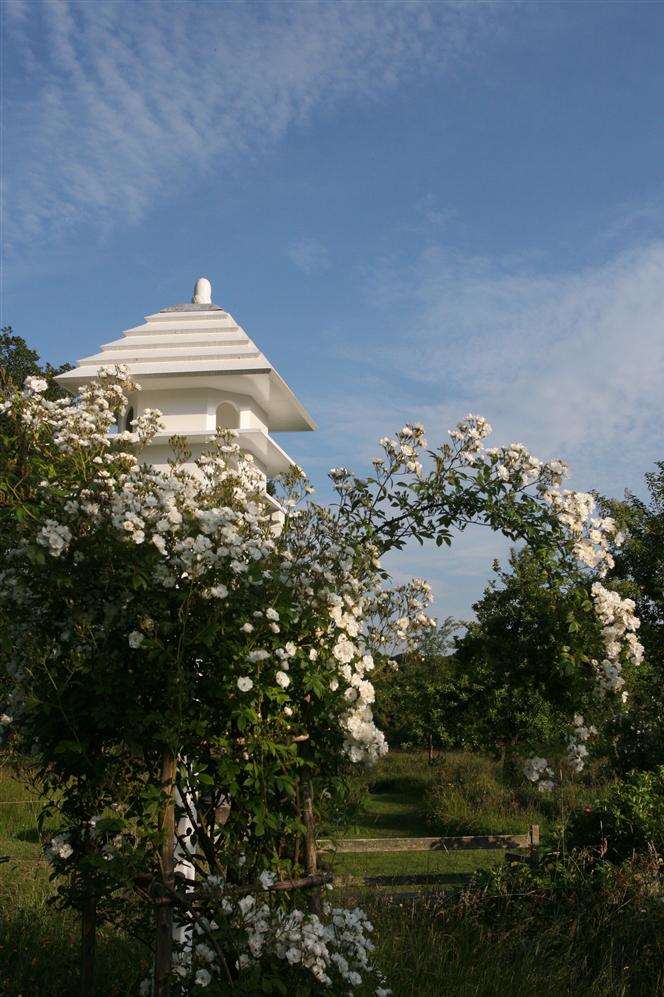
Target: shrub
467,797
626,820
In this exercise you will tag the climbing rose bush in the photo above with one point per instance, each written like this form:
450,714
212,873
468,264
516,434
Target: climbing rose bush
189,661
273,946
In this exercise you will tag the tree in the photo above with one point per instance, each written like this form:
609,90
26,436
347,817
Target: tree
18,361
521,657
420,699
173,642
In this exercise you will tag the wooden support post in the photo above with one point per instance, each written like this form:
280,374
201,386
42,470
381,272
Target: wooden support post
164,916
311,861
88,944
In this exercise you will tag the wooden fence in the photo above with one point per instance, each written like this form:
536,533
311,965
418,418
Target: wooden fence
482,842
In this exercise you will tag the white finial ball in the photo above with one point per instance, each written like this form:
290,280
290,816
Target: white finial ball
202,292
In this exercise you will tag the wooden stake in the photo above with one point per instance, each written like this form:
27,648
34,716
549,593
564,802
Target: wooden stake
88,944
164,915
310,857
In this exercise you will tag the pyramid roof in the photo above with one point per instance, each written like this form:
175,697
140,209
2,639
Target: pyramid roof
201,344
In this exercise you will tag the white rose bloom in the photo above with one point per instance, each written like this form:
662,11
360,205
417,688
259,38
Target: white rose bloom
136,638
36,385
245,684
267,879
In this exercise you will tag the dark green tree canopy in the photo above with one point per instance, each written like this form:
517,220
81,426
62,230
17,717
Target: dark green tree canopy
18,361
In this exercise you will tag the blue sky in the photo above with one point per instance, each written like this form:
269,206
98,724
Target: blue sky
416,210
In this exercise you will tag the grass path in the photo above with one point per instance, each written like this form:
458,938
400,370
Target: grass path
393,809
390,815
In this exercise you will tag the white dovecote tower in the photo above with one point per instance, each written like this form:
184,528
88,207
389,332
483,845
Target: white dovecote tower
200,369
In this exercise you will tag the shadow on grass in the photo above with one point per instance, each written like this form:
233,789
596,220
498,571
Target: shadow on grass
30,834
39,957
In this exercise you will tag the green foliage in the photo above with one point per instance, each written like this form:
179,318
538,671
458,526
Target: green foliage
420,699
627,818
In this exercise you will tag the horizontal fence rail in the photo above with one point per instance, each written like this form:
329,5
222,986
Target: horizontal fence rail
416,879
477,842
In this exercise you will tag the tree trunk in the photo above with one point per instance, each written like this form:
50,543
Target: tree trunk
164,916
88,945
310,856
510,769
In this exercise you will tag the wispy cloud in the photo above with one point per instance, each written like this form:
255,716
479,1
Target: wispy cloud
119,105
569,362
309,255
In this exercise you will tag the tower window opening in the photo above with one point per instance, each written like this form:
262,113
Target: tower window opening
228,416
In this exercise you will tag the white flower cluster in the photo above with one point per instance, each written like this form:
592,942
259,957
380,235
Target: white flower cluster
55,536
377,618
396,618
85,421
469,435
577,751
591,535
363,741
35,385
513,464
335,950
338,948
403,450
539,771
619,626
59,848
